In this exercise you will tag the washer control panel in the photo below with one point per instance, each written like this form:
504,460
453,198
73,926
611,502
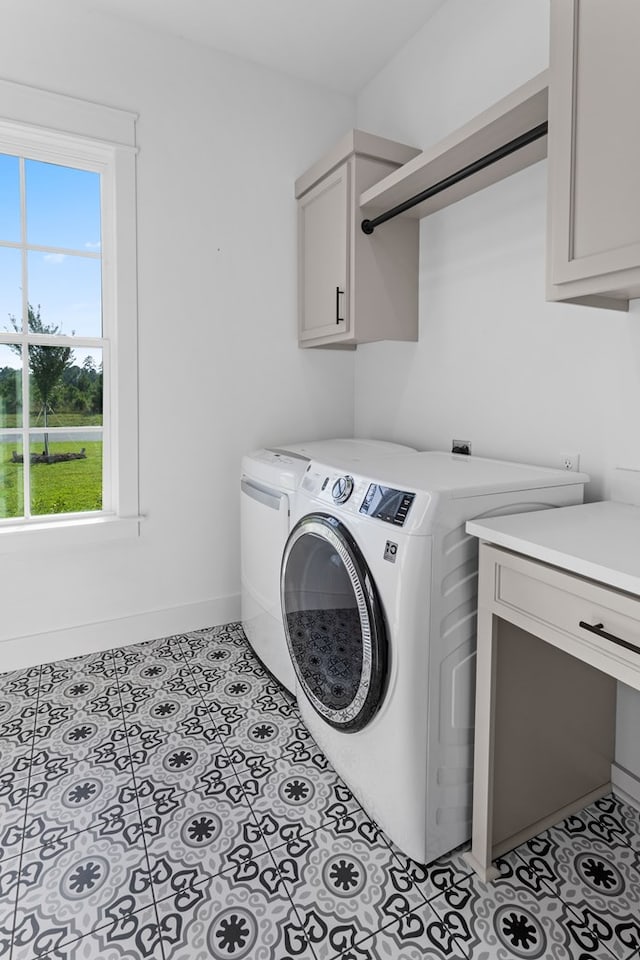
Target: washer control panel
342,489
358,496
387,504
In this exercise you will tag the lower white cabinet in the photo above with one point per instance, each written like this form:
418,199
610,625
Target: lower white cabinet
551,646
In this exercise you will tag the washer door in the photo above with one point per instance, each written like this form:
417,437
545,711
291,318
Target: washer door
333,622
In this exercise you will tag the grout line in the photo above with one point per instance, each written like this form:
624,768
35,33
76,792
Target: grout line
257,823
460,944
26,811
620,840
142,831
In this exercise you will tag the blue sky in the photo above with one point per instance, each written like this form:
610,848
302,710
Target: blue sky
63,211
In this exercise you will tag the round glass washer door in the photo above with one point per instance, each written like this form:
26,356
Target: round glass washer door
333,622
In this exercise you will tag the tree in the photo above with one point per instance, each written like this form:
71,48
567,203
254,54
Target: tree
10,390
46,364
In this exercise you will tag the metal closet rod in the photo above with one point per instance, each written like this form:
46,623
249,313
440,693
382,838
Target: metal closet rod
368,226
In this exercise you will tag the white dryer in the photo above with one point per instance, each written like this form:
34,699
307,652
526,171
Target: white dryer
268,482
378,591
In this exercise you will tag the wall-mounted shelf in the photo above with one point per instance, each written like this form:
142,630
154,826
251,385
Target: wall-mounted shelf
513,116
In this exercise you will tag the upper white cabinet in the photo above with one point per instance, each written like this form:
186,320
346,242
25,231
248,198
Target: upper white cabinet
593,253
354,288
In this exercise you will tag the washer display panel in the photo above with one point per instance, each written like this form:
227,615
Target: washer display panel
333,622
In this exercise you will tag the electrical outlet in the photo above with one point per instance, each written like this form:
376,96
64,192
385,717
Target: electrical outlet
461,446
570,461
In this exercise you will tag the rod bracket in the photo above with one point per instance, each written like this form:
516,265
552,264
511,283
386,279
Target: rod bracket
367,227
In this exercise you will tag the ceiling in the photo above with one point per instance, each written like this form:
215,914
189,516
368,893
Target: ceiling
339,44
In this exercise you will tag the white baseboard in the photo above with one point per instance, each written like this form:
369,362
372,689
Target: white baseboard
626,784
19,652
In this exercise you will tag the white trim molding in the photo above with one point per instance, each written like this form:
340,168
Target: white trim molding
626,785
20,652
46,110
47,126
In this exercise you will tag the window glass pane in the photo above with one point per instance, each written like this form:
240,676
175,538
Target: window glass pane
10,288
81,400
63,206
10,385
66,472
9,198
47,366
11,489
69,292
66,387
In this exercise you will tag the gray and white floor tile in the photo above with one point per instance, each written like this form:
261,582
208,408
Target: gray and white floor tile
164,801
9,882
80,883
612,819
344,882
435,878
420,935
179,760
202,835
597,878
514,916
134,936
296,793
75,801
168,711
241,913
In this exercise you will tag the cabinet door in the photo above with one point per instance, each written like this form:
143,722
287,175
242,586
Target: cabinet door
594,147
323,257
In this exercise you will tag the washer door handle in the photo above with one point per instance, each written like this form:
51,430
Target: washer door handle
270,498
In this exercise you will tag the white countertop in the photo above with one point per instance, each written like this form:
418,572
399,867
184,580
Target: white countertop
596,540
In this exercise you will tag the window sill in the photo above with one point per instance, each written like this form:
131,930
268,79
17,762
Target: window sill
55,534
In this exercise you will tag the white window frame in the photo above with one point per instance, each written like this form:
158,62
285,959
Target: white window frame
45,126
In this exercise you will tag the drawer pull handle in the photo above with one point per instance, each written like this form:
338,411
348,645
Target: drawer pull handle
597,629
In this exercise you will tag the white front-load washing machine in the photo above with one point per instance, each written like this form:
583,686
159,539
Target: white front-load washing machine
268,482
378,590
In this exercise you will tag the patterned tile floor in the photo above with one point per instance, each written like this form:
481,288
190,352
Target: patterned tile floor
164,801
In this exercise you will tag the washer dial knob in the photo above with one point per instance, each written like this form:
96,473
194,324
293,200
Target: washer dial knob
342,489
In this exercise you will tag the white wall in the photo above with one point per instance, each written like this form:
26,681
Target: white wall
221,142
495,363
521,378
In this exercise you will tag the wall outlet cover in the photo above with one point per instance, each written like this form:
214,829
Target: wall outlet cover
461,446
569,461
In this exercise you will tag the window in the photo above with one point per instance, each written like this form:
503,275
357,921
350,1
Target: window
52,370
68,360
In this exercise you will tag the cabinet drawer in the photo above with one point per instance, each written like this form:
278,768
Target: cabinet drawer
560,607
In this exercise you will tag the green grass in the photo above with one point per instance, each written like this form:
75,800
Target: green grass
62,419
55,487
